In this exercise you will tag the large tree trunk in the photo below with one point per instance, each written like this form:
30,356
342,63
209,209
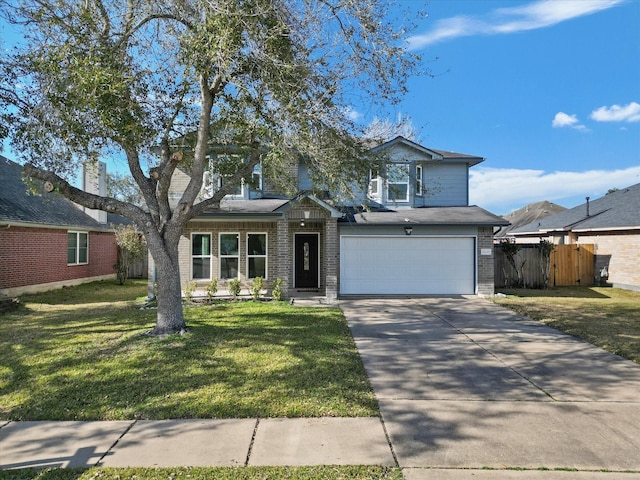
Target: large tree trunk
170,319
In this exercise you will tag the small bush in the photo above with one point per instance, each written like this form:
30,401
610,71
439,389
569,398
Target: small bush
189,290
212,289
234,286
256,287
276,293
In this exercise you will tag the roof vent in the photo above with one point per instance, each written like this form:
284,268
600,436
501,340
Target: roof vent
587,206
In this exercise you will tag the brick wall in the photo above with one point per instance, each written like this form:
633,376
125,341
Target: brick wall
620,253
35,256
485,262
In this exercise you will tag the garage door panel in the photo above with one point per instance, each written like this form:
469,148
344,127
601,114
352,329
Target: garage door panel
407,265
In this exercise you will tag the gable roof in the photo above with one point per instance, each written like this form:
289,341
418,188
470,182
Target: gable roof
18,206
443,155
529,214
619,210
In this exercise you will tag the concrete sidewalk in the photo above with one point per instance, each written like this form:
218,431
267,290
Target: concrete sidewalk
169,443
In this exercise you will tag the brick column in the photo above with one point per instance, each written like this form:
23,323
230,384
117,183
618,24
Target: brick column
284,256
332,259
485,262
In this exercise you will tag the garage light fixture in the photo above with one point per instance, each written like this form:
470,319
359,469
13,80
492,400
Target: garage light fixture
408,230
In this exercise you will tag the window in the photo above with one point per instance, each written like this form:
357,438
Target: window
229,255
374,183
419,180
200,256
256,255
77,248
398,183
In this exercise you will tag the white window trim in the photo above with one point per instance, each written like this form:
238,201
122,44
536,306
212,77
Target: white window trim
265,256
77,234
192,256
220,256
419,180
374,180
406,167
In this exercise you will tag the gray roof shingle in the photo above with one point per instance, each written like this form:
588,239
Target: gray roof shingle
616,210
20,206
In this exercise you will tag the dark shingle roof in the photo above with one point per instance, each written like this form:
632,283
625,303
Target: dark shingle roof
616,210
531,213
19,206
442,155
470,215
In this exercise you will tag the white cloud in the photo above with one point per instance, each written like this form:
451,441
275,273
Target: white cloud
565,120
504,190
538,14
617,113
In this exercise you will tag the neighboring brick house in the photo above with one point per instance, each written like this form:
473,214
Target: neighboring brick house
419,235
47,241
611,223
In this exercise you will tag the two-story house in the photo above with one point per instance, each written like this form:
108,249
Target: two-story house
419,235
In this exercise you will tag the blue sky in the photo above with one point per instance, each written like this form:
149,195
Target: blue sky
547,91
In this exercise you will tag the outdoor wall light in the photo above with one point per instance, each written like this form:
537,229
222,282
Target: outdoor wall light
302,222
408,230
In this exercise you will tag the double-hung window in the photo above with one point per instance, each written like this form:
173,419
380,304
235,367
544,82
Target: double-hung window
229,255
77,248
374,183
200,256
398,182
419,180
256,255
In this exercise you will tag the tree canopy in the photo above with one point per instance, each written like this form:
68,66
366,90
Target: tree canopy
161,83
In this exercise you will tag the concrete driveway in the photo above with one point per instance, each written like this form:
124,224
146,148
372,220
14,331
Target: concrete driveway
465,384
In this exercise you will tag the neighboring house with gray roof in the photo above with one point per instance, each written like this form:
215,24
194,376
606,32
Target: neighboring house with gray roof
47,241
418,235
611,223
528,214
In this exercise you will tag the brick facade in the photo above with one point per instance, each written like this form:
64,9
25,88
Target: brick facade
620,253
486,263
32,257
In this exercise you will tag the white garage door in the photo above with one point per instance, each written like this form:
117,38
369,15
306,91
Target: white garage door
407,265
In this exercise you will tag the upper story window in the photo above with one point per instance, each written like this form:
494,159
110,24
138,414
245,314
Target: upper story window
77,248
221,170
374,184
398,182
419,180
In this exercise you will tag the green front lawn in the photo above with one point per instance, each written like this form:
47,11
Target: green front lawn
606,317
81,354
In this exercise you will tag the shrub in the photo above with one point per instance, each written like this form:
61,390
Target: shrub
276,293
189,290
256,287
212,289
234,286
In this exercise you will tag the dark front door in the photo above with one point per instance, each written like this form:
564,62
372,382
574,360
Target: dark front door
306,252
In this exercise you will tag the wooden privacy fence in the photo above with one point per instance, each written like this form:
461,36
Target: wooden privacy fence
569,265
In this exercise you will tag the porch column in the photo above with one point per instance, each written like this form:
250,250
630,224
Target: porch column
332,259
284,256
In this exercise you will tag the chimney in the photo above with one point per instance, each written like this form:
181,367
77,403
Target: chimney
94,180
587,206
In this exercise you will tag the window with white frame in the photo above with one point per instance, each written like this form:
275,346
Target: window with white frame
398,182
77,248
374,183
256,255
229,255
419,180
200,256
